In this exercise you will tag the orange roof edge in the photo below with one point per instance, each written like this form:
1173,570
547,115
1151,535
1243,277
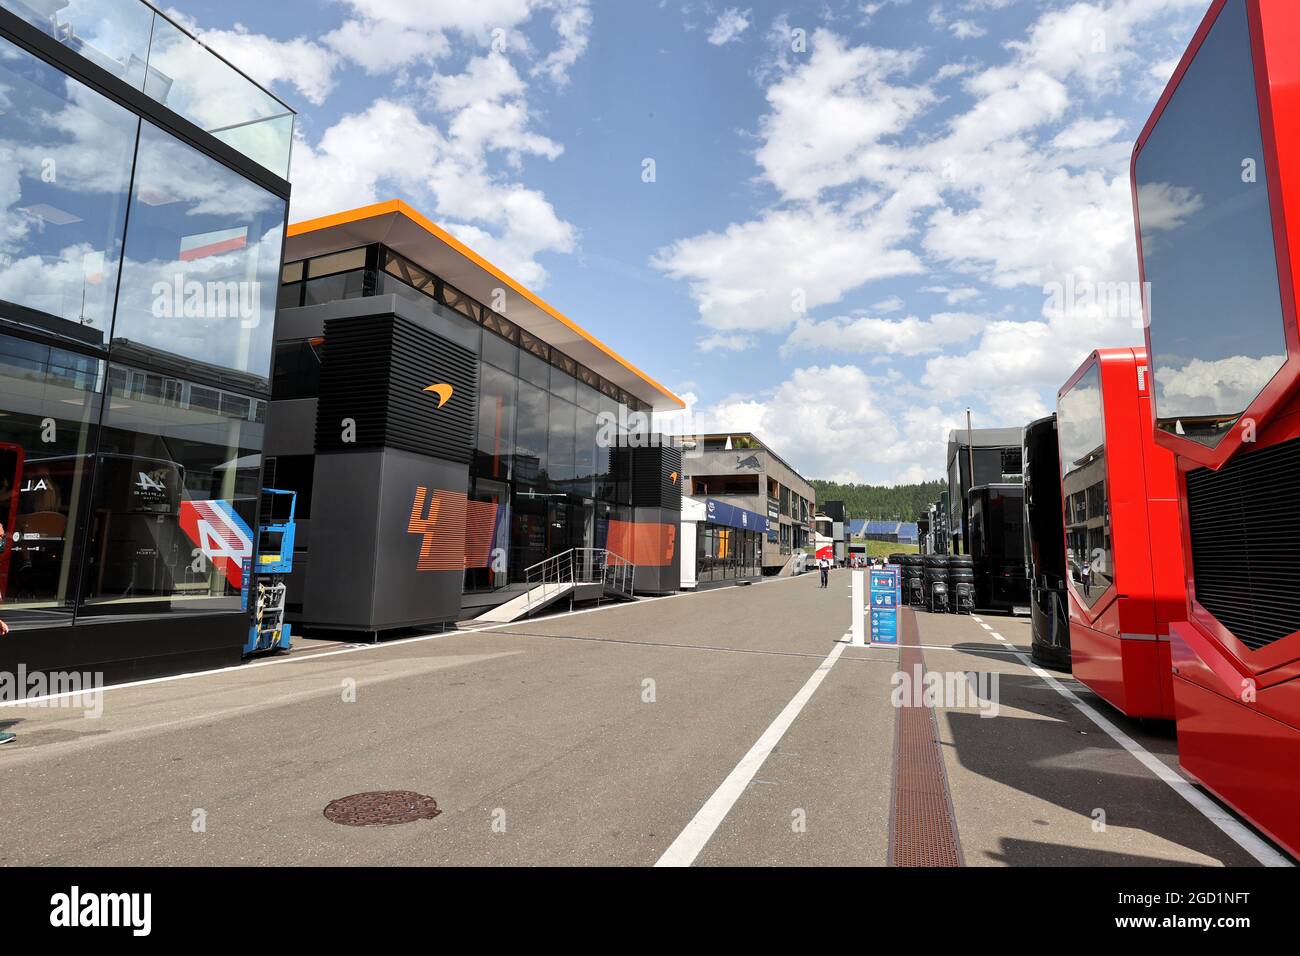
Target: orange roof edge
374,210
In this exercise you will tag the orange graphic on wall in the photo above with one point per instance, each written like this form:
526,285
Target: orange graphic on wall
443,528
645,545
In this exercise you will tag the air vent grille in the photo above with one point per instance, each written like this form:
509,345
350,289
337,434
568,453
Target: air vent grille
1245,530
374,373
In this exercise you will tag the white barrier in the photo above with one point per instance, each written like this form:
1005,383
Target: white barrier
859,608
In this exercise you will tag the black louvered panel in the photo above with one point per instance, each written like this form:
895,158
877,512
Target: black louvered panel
375,371
653,481
1245,530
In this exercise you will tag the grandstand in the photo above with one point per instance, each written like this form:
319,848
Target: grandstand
901,532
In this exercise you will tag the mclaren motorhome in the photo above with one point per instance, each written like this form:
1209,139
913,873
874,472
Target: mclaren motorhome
1215,175
1045,545
1121,534
448,456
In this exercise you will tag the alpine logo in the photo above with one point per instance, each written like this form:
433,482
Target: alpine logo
222,536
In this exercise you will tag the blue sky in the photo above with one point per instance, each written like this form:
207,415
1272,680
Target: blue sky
865,215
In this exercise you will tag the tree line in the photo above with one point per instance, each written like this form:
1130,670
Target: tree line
901,502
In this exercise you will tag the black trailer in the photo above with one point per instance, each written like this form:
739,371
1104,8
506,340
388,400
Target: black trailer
996,521
1045,545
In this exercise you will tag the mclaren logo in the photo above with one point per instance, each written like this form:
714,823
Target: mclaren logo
443,391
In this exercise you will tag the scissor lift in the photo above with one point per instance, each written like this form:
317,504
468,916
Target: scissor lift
264,574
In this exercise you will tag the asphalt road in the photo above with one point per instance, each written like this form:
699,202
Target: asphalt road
591,738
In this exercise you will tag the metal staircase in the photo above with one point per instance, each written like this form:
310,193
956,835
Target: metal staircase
580,574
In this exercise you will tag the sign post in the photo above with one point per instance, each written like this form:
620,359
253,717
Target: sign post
884,606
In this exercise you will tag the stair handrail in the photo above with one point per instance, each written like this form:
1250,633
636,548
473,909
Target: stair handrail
578,566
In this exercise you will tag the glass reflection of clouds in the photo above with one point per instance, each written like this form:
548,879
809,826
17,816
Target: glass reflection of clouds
1081,429
65,168
202,259
1207,242
145,49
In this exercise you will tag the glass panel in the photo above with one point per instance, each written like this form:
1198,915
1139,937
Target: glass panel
293,271
560,442
500,353
564,385
67,155
588,398
1207,242
297,369
50,401
176,494
1083,487
187,78
496,423
531,425
112,34
527,532
202,259
344,285
584,461
534,371
338,262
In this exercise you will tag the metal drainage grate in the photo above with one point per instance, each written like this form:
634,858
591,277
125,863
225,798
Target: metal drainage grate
381,808
922,826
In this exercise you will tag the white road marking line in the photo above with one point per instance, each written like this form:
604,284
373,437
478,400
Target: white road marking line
1234,829
985,626
1240,834
691,840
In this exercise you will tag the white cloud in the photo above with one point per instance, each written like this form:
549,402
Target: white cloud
906,336
301,63
808,418
966,29
381,46
754,276
729,26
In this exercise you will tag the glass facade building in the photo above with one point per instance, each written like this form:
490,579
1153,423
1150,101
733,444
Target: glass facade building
553,462
547,430
140,253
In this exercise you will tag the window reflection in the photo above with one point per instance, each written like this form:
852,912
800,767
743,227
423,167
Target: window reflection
210,93
1215,309
112,34
496,423
202,259
1083,488
47,436
67,152
175,496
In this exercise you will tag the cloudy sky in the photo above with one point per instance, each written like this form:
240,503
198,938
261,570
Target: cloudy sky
836,224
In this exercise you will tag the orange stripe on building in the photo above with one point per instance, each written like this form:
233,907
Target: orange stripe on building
643,544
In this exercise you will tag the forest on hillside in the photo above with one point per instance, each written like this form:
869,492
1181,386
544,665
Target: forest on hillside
901,502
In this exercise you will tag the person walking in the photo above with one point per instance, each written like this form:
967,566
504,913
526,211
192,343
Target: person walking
824,564
1085,578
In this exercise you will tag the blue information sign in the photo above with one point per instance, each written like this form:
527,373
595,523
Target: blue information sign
883,600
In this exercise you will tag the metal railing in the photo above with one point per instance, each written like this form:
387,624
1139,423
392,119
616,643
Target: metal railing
578,566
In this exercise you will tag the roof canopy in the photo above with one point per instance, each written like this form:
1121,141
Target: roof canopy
408,233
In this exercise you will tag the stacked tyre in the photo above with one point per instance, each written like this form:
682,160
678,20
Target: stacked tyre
935,579
913,579
961,583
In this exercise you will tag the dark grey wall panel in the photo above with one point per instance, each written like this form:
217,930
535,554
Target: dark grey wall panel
660,578
367,571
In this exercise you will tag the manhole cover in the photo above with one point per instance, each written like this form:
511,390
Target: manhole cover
381,808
